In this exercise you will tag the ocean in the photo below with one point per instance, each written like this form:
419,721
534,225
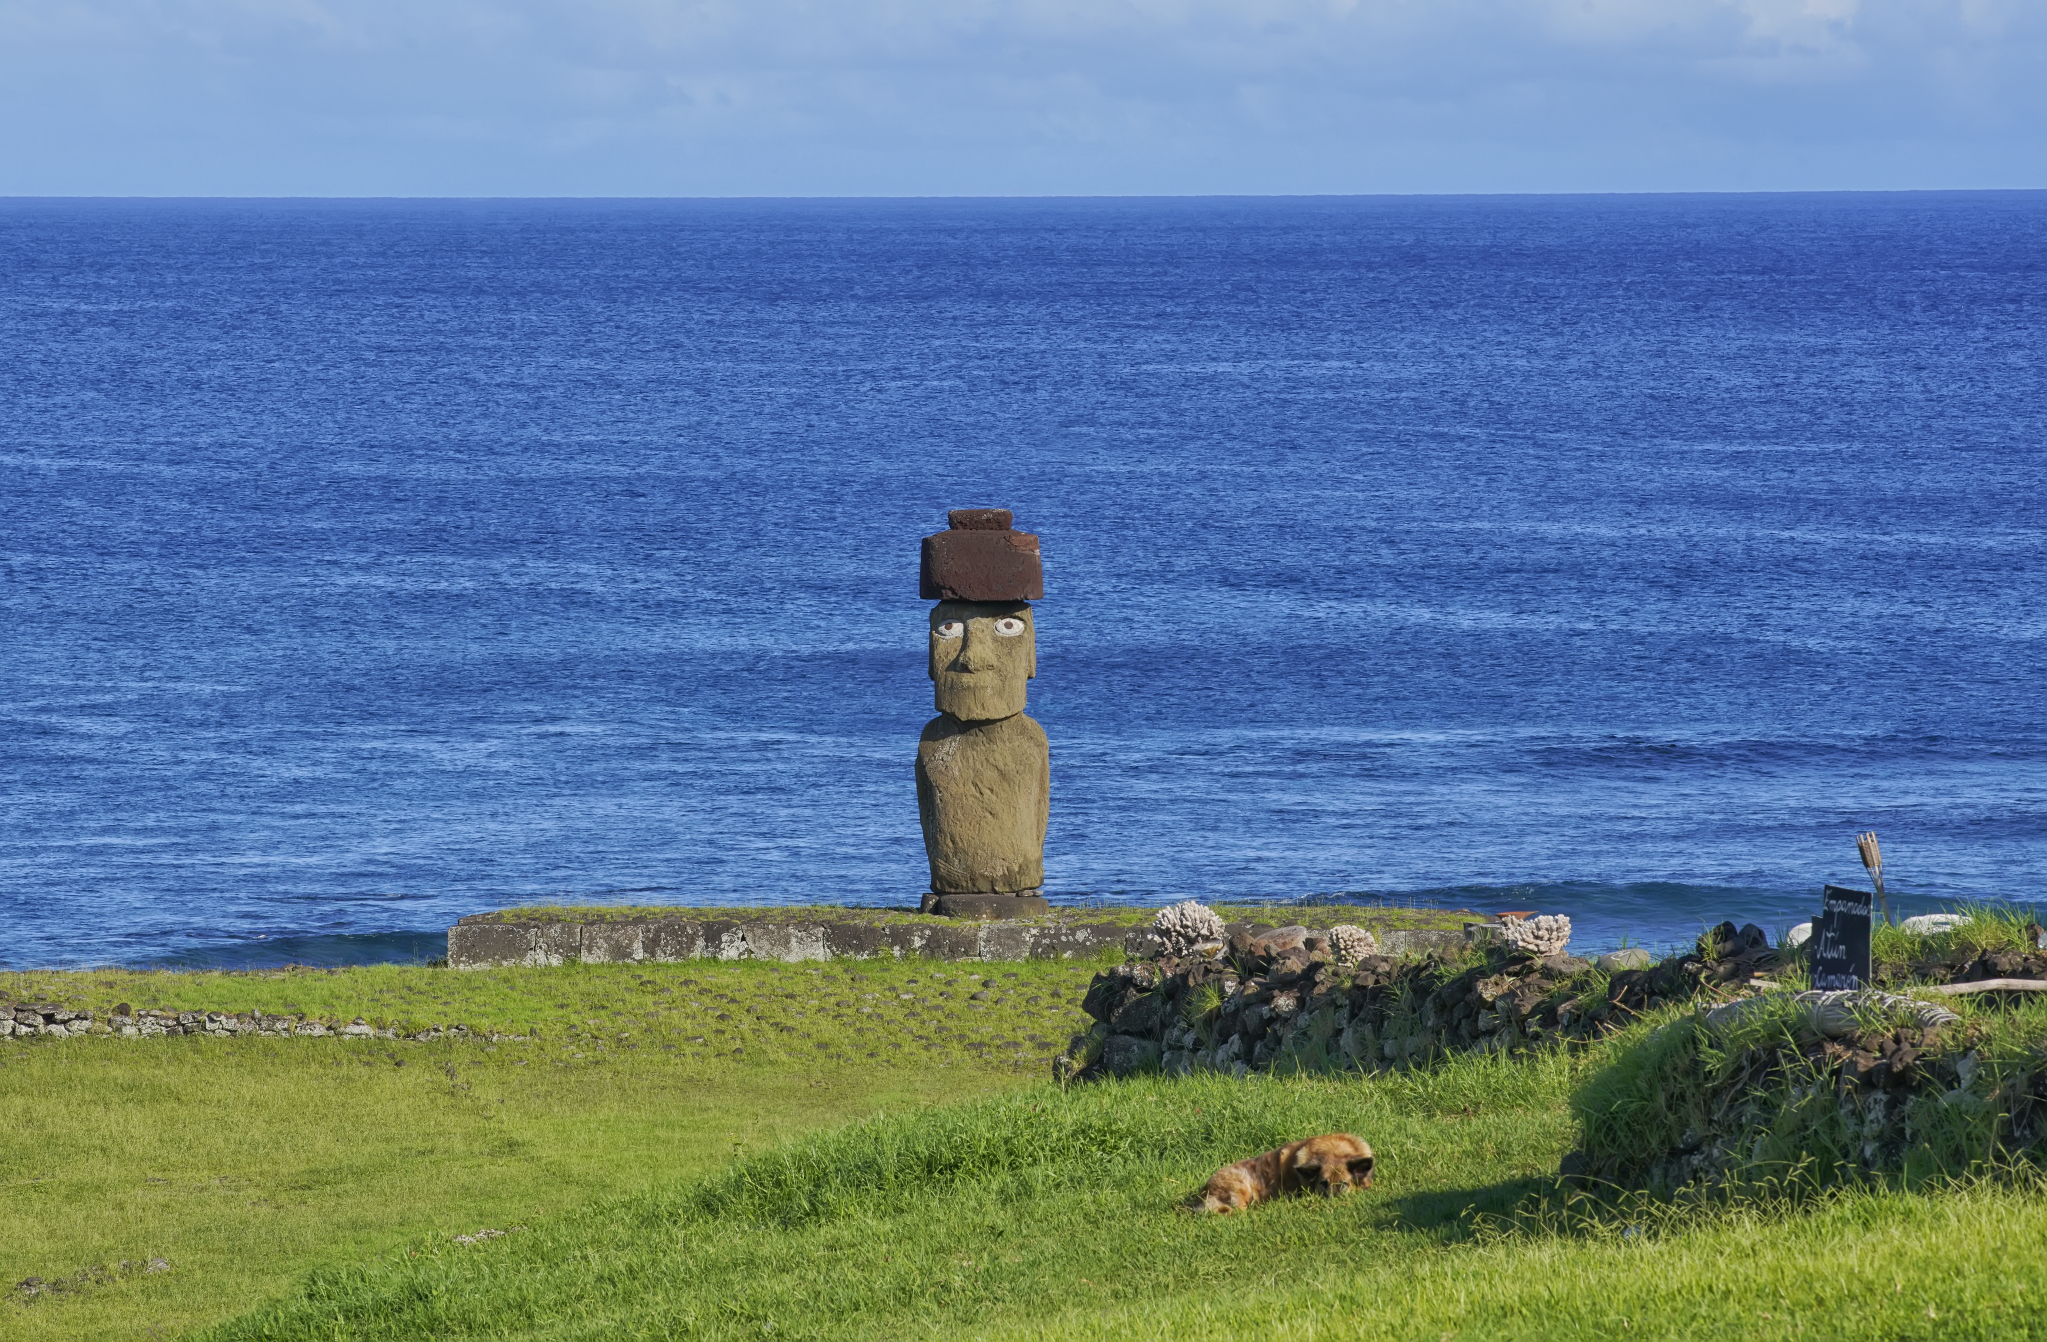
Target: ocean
365,564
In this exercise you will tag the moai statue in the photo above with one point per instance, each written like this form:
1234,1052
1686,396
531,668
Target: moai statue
983,769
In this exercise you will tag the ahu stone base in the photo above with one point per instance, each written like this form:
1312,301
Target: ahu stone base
987,908
486,943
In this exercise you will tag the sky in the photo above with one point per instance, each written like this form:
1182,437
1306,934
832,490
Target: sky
1017,97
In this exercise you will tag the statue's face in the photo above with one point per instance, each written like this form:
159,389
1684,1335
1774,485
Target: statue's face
982,652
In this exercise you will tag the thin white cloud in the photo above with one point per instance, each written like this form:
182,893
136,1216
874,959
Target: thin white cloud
1025,95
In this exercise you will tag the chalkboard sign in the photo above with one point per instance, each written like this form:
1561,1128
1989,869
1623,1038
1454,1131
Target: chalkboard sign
1840,939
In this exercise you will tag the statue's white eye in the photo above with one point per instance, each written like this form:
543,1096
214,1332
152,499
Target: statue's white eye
1009,626
950,629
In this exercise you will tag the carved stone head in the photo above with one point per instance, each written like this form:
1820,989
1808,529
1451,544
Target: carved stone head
982,652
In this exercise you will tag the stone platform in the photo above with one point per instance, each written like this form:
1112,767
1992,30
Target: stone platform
495,939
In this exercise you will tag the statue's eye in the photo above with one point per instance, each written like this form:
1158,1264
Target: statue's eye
1009,626
950,629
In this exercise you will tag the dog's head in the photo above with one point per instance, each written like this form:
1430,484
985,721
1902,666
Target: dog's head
1336,1164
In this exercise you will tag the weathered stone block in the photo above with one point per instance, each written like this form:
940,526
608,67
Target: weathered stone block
1006,941
724,939
555,943
953,943
674,939
611,943
765,941
1418,941
805,941
1124,1054
1144,1014
1055,943
853,941
1280,940
988,907
1107,995
1144,943
475,944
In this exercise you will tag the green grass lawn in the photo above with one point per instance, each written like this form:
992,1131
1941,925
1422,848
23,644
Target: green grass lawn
243,1163
1046,1214
702,1011
652,1187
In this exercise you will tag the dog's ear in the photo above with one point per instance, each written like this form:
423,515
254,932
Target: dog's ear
1361,1169
1308,1160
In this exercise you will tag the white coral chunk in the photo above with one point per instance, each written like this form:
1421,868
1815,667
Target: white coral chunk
1186,925
1350,943
1546,935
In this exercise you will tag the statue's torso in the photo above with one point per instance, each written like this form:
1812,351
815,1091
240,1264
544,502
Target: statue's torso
983,790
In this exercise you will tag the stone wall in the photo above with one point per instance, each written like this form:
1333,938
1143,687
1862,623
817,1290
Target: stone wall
485,942
1815,1088
1278,1000
44,1020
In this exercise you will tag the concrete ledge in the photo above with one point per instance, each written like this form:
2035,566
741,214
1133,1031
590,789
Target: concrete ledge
484,945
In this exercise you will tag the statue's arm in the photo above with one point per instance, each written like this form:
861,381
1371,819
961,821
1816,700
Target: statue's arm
1044,780
926,803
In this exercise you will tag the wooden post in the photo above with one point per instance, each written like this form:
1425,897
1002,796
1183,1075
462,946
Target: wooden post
1873,859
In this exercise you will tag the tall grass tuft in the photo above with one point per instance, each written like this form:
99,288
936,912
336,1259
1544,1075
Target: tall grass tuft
1992,927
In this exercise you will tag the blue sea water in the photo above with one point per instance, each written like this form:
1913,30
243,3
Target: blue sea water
364,564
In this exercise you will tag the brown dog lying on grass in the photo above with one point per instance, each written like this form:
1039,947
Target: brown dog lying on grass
1331,1165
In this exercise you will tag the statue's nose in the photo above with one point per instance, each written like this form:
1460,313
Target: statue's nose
977,650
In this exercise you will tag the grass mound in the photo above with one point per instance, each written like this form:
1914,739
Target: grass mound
1997,941
1772,1099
